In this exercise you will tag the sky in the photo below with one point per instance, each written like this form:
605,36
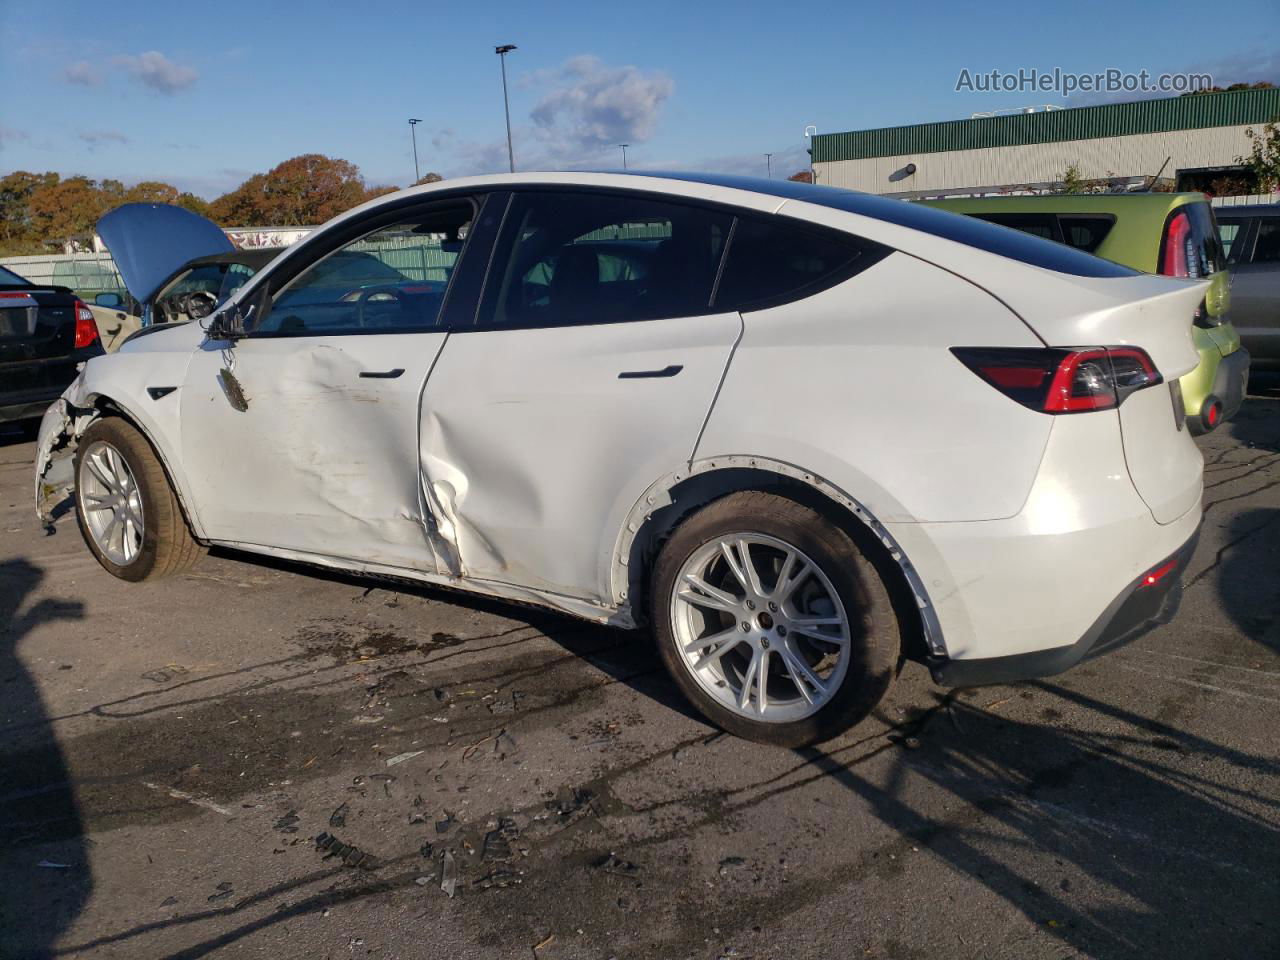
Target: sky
202,96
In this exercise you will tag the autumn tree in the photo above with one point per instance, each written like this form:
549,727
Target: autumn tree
804,176
70,207
17,235
305,190
432,177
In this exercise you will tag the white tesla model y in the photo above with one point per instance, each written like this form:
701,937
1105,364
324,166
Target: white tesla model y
802,433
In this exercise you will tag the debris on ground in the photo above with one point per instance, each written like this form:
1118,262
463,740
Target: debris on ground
402,757
288,823
498,880
426,851
569,800
445,825
729,864
224,890
423,880
168,901
448,874
616,866
545,943
339,816
350,856
52,865
497,842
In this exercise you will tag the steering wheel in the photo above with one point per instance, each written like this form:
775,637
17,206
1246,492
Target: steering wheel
199,304
383,293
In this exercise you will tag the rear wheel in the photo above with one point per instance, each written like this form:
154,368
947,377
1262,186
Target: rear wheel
125,506
772,621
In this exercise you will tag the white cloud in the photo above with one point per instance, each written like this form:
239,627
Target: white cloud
82,73
153,69
592,106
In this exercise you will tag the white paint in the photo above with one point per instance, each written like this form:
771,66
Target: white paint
525,463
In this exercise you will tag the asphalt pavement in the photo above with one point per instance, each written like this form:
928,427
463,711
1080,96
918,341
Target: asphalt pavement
172,751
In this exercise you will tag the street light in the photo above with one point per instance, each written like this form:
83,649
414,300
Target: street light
624,154
768,164
414,134
502,52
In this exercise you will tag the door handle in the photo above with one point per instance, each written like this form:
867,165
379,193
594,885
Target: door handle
382,374
668,371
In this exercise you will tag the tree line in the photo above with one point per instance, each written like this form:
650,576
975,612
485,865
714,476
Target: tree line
43,210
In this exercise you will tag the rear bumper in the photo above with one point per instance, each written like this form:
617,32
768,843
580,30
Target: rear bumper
1227,393
1134,612
27,406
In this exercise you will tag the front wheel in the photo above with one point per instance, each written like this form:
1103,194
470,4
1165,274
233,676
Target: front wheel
128,513
772,620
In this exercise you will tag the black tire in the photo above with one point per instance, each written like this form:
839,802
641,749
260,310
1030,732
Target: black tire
167,545
875,631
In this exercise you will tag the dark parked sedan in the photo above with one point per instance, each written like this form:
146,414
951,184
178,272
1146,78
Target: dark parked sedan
45,332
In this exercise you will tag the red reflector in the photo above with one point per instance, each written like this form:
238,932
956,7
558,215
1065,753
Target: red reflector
86,326
1159,573
1015,378
1211,415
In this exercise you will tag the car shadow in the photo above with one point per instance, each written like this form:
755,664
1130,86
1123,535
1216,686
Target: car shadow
633,662
1107,836
45,878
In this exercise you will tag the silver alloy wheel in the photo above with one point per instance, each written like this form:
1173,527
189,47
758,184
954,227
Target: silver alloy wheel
111,502
760,627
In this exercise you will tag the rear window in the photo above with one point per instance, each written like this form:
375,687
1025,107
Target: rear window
1083,232
1267,247
8,276
773,262
1037,224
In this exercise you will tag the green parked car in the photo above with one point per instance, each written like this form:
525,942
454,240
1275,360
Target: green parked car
1169,233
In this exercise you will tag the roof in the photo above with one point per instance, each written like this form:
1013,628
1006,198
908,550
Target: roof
1247,210
1078,123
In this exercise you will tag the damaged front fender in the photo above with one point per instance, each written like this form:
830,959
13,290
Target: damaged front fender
60,431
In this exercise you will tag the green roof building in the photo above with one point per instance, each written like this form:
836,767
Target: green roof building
1199,136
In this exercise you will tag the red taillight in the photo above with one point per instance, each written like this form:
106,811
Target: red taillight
86,326
1179,257
1062,381
1159,573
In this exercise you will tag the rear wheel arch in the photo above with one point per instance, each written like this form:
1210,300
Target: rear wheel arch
674,498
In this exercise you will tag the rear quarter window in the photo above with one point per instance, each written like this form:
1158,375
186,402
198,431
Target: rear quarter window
773,261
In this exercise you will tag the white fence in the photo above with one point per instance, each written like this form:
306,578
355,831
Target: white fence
86,273
1246,201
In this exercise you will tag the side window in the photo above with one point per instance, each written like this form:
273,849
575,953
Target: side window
1267,247
392,280
1085,233
1231,232
774,261
583,258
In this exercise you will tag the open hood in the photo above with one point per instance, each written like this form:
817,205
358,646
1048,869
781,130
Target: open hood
150,241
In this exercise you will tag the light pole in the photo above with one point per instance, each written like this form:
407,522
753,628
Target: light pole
624,154
809,133
768,164
502,52
414,134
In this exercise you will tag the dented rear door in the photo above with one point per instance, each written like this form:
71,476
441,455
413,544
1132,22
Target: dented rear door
589,375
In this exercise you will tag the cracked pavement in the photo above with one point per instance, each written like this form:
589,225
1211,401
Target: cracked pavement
172,751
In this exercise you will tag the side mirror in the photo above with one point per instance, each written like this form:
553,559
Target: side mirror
112,301
230,324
